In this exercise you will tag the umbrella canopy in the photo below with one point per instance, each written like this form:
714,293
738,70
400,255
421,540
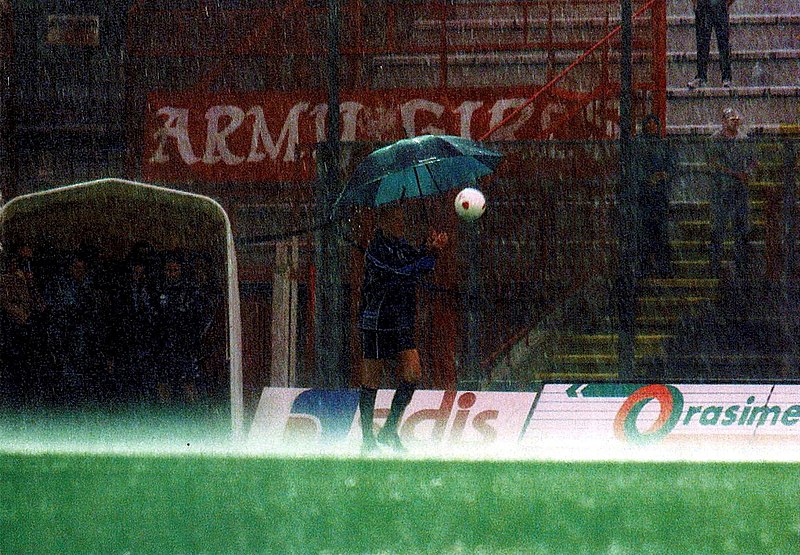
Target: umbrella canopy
417,167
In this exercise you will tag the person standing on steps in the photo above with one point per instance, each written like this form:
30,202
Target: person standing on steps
653,170
708,15
732,160
387,317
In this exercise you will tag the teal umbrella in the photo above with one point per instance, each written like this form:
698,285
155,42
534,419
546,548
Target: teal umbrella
417,167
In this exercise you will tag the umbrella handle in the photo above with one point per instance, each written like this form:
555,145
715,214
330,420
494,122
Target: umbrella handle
419,185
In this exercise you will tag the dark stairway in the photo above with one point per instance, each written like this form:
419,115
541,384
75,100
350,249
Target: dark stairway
689,326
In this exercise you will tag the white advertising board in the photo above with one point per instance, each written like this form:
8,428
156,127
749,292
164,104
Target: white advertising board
315,419
562,421
672,416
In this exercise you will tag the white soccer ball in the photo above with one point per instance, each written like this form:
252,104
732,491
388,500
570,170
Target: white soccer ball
470,204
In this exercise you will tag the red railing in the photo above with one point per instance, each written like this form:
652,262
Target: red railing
659,70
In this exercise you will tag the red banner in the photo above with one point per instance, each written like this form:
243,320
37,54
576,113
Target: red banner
269,136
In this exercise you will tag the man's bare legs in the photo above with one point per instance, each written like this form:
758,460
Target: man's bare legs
409,372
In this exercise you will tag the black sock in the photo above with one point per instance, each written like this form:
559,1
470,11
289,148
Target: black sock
366,405
401,399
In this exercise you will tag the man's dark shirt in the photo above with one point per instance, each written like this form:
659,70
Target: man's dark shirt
652,155
735,154
389,293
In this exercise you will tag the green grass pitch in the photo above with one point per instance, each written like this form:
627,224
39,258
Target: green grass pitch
73,503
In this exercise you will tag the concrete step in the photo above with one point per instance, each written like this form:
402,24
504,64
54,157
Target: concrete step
750,68
650,322
699,268
569,375
503,9
605,344
698,250
656,323
604,363
694,187
596,361
702,209
499,8
466,29
757,104
686,369
529,68
681,305
677,286
693,230
777,31
684,7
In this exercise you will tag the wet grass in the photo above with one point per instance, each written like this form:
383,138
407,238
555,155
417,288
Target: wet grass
202,503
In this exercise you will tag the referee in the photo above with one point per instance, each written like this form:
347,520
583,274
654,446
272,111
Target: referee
387,317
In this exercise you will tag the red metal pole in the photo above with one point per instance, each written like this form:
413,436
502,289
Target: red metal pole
659,20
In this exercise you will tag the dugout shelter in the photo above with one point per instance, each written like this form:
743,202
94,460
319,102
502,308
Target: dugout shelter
111,216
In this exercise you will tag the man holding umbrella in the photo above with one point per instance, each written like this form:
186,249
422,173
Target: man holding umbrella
387,319
411,168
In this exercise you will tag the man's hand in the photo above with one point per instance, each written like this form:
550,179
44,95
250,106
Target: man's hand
437,240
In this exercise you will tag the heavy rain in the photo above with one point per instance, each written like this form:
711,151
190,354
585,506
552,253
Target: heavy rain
531,288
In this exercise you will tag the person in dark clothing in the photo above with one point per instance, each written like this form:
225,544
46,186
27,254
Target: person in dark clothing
653,171
23,312
732,158
134,333
387,320
182,318
712,14
76,329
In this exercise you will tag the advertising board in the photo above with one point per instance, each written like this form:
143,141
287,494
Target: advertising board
316,419
560,420
646,414
267,136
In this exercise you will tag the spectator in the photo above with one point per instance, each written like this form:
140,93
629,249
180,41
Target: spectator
732,160
182,317
134,328
653,170
76,330
23,352
708,15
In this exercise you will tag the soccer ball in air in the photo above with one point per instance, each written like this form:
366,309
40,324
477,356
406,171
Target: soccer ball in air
470,204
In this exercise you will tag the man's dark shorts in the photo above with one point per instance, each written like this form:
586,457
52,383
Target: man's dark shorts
386,343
